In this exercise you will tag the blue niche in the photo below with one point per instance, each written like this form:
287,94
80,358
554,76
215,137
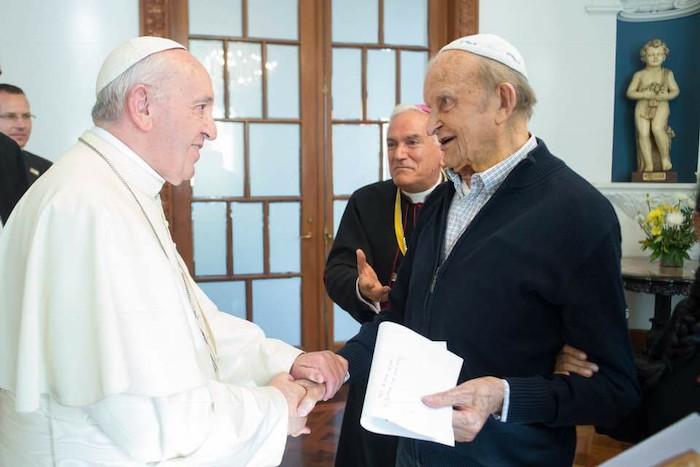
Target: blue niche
682,36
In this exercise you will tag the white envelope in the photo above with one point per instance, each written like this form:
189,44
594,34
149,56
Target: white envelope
407,366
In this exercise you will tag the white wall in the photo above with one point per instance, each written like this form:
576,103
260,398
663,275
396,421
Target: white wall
53,50
570,58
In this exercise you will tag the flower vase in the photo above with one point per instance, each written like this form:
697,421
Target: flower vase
671,261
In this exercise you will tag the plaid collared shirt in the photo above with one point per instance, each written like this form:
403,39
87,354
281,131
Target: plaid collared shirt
468,201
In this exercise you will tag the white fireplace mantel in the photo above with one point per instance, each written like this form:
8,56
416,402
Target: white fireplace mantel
631,198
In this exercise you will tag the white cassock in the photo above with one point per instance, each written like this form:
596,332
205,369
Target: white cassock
102,361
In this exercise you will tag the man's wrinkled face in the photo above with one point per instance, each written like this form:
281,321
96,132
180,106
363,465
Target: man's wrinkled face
414,156
183,103
15,117
462,114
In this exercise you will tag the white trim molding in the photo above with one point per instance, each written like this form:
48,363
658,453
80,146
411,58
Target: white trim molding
603,6
645,10
631,198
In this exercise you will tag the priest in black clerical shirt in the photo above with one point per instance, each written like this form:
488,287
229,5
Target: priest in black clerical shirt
378,220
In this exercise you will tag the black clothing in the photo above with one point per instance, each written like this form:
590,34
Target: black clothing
539,266
35,165
13,176
368,224
668,371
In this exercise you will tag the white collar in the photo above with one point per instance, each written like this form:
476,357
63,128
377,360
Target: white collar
130,165
420,196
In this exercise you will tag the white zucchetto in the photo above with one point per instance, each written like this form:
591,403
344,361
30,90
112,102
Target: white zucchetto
128,54
490,46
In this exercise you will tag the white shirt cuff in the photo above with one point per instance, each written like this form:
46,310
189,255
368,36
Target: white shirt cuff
503,416
374,306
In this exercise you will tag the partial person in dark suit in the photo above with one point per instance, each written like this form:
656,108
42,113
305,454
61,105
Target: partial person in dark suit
16,122
13,177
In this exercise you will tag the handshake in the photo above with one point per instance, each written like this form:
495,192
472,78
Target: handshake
313,376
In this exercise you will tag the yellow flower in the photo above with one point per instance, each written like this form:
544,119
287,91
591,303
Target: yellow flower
654,215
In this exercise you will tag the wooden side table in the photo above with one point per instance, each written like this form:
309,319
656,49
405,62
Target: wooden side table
641,275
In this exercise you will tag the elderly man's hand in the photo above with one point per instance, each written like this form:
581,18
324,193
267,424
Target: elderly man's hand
472,402
572,360
321,367
368,282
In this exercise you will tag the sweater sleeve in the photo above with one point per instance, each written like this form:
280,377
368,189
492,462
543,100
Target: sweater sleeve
341,267
593,320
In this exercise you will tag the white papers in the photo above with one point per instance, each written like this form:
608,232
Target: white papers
677,438
407,366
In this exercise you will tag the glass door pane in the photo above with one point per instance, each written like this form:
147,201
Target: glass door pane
220,167
244,79
273,18
347,83
282,68
215,17
381,83
406,22
355,156
355,20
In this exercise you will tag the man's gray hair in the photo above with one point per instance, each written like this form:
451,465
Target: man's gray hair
110,100
403,108
492,73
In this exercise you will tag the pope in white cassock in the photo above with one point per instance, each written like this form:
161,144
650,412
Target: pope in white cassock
110,354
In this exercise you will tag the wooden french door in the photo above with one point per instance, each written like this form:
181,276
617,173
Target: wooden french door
303,92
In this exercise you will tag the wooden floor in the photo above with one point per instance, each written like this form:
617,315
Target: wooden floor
318,448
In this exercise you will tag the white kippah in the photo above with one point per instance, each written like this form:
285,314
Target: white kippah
129,54
490,46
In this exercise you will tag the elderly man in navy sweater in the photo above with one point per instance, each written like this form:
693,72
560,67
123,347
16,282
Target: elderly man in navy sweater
513,258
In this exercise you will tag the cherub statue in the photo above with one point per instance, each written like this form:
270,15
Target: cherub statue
652,88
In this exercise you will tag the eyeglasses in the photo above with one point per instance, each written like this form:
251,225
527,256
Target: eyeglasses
15,116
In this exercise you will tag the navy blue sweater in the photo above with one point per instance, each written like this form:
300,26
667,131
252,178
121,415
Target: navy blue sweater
539,266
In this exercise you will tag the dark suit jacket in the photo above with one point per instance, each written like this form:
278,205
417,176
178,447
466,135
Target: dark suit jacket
36,166
13,176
